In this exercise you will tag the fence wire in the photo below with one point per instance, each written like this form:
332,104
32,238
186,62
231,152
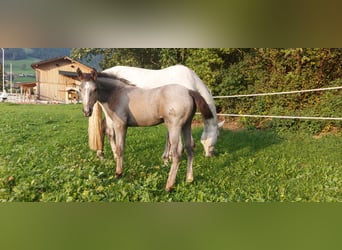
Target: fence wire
281,116
278,93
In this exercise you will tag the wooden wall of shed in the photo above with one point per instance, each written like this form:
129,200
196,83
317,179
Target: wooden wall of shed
52,85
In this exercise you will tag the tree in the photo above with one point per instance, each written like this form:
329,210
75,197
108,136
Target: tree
111,57
15,54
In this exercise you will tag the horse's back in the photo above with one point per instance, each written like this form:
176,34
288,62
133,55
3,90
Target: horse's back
150,78
176,74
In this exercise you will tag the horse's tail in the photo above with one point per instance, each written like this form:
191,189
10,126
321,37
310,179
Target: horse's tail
205,93
95,131
201,104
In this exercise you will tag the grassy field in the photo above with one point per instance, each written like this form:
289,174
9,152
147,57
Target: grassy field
21,67
44,156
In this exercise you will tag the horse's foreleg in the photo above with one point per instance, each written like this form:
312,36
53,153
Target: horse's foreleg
180,146
174,136
111,134
193,145
120,135
189,145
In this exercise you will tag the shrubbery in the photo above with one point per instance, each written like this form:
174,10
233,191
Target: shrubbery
246,71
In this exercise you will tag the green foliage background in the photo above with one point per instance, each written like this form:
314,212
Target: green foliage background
230,71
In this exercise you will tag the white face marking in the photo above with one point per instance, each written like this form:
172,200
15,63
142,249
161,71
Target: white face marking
86,92
208,141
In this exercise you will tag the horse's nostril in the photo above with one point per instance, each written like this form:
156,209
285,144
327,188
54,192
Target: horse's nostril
87,112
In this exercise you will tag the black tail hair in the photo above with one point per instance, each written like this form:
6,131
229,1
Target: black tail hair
201,104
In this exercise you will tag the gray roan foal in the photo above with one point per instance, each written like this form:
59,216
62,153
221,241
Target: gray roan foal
126,106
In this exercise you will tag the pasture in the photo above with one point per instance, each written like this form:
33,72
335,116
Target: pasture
21,66
44,156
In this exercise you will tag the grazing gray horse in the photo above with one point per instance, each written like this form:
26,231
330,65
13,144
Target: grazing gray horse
126,105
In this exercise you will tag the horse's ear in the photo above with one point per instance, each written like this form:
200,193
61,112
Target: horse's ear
79,74
220,124
94,74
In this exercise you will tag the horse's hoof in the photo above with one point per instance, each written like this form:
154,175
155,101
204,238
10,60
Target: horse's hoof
100,155
118,175
189,179
168,188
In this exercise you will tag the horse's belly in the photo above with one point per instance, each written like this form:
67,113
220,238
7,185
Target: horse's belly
138,121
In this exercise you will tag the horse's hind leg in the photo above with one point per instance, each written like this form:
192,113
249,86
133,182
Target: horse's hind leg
167,155
189,146
174,135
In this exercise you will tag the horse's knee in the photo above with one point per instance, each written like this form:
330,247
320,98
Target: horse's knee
180,147
166,158
175,154
118,152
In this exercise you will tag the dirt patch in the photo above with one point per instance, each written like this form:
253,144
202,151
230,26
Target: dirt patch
329,130
232,124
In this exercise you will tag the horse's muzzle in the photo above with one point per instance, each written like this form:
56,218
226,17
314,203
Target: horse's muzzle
210,152
87,112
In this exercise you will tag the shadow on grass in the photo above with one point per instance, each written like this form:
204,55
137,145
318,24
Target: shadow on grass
246,141
250,141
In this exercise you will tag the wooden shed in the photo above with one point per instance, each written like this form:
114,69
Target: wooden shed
56,79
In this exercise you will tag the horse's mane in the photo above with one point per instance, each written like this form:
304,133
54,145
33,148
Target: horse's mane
115,77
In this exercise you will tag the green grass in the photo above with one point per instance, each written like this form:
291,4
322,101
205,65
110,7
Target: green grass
44,156
21,66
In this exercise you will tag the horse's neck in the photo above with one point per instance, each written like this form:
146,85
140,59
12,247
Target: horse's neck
109,83
108,87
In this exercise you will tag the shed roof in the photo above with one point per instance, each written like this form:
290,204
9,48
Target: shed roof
55,60
70,74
